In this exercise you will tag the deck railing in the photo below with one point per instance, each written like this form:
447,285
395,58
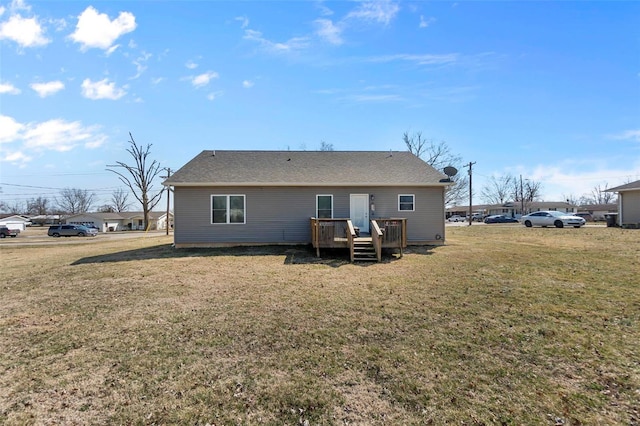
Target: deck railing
340,233
376,239
394,232
332,233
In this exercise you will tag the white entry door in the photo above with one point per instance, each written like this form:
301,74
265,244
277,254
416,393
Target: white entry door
359,212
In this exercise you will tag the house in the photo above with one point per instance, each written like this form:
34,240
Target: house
513,208
628,204
15,221
225,198
121,221
45,219
598,211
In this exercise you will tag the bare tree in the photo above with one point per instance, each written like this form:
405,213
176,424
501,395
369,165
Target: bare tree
106,208
599,196
139,177
438,155
37,206
119,200
498,190
325,146
74,201
13,208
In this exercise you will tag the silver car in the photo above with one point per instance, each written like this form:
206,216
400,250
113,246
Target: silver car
71,231
552,218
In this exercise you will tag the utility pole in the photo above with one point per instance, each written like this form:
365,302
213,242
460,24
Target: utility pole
168,169
470,165
521,197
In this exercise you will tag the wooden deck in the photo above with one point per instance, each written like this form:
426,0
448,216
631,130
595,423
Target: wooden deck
340,233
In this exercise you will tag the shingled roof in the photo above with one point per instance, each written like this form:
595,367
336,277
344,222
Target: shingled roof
306,168
627,187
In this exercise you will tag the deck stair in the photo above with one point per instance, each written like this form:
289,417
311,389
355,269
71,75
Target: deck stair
363,250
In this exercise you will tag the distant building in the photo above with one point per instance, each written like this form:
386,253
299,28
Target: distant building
512,208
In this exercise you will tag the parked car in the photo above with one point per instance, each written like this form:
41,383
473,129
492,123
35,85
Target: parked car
71,231
586,216
456,218
7,232
552,218
478,217
500,218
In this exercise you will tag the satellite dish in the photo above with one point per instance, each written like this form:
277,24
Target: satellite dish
450,171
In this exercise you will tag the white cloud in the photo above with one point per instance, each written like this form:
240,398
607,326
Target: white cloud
191,65
203,79
47,89
97,30
103,89
8,89
2,9
633,135
562,179
19,5
247,84
9,129
373,98
60,135
214,95
157,80
293,44
378,11
324,10
244,21
15,157
424,23
52,135
112,49
328,31
27,32
140,63
425,59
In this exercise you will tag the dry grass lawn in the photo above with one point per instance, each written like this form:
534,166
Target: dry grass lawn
503,325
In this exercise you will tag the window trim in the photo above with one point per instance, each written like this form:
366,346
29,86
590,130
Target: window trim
324,195
413,202
244,209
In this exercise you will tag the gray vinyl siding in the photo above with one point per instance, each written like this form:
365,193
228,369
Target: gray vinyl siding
280,215
630,201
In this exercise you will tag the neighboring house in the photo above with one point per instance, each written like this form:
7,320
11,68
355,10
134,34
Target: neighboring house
224,198
121,221
598,211
45,219
15,221
628,204
513,208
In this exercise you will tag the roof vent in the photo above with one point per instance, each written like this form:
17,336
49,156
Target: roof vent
214,153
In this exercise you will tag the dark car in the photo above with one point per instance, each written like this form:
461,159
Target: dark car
71,231
500,218
7,232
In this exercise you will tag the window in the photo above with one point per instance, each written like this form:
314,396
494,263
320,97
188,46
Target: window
406,202
324,206
227,208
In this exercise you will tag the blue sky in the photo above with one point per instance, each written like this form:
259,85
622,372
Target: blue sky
546,90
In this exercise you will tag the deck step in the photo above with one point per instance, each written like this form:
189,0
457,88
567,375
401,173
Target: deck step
364,251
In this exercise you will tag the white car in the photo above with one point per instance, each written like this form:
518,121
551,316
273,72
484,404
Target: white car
456,218
552,218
